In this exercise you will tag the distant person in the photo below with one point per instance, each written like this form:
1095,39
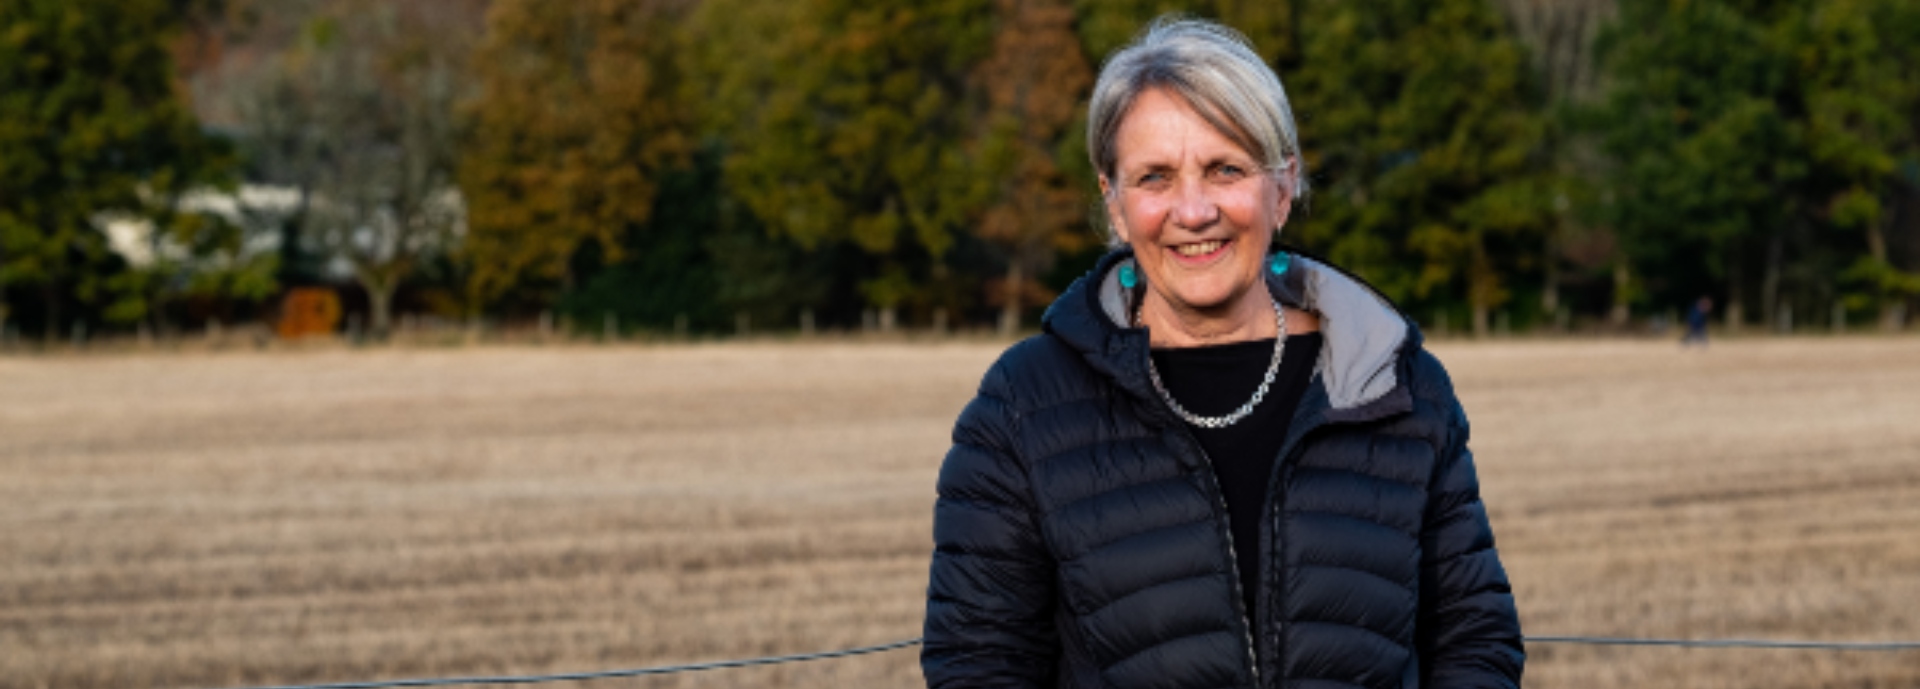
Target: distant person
1697,317
1220,465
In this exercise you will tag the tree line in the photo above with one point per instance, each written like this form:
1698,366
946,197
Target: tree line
693,164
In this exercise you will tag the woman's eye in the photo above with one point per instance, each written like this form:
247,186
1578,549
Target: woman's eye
1153,179
1229,171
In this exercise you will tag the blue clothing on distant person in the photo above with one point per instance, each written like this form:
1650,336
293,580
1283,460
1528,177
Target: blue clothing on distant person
1697,322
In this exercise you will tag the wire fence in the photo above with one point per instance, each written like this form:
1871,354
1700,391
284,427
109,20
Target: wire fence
606,674
908,643
1732,643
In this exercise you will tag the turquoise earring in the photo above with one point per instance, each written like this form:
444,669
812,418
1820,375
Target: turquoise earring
1280,262
1127,277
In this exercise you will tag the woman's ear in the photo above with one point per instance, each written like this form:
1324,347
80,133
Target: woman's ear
1286,206
1110,199
1287,185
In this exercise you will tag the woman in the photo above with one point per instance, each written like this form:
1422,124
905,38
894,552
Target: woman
1220,466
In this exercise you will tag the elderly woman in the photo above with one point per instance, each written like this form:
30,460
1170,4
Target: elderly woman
1221,465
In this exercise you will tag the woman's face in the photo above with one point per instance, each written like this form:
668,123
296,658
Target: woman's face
1198,210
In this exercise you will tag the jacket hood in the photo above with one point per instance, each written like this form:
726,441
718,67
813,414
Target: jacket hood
1361,361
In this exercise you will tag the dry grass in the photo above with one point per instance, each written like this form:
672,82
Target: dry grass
248,518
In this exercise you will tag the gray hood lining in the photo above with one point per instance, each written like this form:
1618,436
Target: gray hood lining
1363,334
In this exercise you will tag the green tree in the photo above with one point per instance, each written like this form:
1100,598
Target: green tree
1559,40
840,122
1421,131
1105,25
92,125
1705,145
1272,25
1856,60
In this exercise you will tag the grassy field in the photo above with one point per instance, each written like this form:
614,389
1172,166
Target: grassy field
204,520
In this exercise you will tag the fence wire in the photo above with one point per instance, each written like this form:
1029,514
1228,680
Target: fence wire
1732,643
605,674
907,643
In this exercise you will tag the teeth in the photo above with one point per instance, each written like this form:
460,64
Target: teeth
1200,249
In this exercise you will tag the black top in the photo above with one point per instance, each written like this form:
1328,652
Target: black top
1217,379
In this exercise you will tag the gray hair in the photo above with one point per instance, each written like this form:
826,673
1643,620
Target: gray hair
1215,70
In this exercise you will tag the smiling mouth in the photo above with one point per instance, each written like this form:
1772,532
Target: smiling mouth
1200,249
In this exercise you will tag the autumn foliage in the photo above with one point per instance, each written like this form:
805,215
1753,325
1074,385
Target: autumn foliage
574,123
704,165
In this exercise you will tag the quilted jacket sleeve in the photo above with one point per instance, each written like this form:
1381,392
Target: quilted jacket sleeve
990,595
1469,629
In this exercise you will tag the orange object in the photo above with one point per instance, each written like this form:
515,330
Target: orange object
308,311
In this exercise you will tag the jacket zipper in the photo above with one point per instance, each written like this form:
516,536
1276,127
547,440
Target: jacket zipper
1277,493
1233,559
1248,634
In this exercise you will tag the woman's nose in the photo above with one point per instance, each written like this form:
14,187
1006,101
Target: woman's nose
1193,206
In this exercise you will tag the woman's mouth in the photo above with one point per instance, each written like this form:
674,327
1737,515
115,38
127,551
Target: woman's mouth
1200,252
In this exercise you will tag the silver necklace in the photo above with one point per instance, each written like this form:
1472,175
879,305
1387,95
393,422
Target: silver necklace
1224,420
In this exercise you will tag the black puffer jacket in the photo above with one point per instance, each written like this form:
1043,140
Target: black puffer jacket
1081,540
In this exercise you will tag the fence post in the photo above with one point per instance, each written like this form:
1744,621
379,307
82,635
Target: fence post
806,322
1839,316
742,324
609,326
680,326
